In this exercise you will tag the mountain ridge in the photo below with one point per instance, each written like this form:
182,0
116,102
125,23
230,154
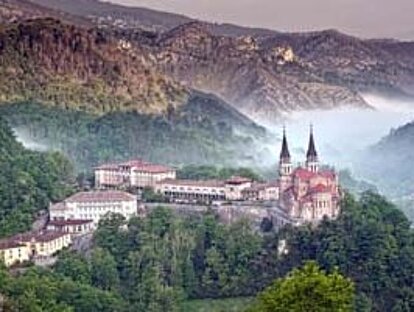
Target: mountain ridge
87,78
74,67
265,76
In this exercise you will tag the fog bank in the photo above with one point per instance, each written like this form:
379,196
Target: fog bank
342,135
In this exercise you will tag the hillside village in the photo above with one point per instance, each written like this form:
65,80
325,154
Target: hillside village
305,194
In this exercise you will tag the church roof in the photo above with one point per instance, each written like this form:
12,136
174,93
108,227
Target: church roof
305,174
320,188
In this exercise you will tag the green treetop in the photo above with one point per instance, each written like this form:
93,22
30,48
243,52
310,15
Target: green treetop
307,289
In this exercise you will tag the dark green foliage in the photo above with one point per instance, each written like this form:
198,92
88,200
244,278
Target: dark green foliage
211,172
157,262
28,181
307,289
150,196
104,272
38,290
216,134
164,258
371,243
74,266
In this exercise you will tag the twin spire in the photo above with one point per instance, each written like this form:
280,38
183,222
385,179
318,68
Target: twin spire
311,154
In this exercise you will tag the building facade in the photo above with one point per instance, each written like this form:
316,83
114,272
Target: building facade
93,206
307,193
27,246
192,191
204,191
134,173
74,227
13,253
268,191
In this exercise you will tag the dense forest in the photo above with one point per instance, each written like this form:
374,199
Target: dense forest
187,135
28,181
159,262
208,172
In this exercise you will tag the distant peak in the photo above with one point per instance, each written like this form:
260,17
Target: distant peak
190,33
191,27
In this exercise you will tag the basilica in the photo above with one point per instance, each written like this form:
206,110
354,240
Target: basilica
307,193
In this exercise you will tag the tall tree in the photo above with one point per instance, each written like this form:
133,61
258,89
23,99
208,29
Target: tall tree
308,289
104,274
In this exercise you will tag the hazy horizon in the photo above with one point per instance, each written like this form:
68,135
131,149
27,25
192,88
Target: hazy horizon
356,17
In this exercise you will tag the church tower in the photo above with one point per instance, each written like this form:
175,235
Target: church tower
312,162
285,164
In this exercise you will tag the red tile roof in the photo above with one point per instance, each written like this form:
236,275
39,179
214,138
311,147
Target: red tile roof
9,244
329,174
320,188
40,236
137,165
150,168
101,196
133,163
238,180
303,174
69,222
48,236
107,167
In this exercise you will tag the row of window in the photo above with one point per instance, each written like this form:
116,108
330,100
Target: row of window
99,208
190,189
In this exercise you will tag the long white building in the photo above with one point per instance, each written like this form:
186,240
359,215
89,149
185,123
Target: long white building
191,190
233,189
134,173
94,206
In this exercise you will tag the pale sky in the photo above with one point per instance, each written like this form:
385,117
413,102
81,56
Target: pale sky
366,18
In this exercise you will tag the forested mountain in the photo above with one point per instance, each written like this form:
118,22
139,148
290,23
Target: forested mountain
160,261
28,181
390,161
62,65
55,76
261,72
265,74
203,131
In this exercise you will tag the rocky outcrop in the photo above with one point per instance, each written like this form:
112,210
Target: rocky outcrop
264,74
264,83
384,66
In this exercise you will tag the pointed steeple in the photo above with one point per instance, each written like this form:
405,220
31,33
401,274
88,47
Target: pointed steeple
284,154
312,162
311,154
285,165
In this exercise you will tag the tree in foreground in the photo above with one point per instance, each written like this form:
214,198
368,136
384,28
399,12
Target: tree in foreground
307,289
